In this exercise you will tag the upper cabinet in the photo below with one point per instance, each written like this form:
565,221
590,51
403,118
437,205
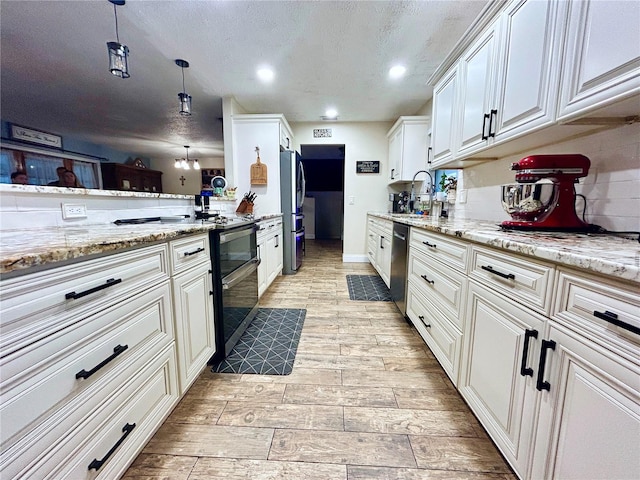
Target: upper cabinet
408,145
526,68
601,60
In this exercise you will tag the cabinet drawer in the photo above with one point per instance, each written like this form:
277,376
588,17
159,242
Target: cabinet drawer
189,252
523,279
442,338
604,308
444,286
64,365
144,401
447,250
39,304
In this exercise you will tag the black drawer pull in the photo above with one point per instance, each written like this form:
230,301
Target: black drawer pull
429,244
97,464
541,384
188,254
421,317
490,269
613,318
118,349
109,283
424,277
524,370
492,132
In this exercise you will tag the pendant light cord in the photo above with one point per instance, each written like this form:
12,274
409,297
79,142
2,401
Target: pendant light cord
115,14
183,89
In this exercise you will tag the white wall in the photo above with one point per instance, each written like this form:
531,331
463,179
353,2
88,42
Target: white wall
171,182
612,187
363,141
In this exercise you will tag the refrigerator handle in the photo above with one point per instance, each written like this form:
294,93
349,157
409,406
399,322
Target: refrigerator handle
304,186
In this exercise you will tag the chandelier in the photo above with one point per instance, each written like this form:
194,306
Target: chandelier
185,163
118,53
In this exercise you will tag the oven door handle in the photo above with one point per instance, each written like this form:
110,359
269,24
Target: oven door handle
240,273
235,234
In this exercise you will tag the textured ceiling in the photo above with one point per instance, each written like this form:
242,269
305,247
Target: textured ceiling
54,64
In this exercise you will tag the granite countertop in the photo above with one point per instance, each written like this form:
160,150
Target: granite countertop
605,254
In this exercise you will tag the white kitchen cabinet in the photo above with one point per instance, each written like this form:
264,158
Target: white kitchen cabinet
589,421
408,144
444,131
379,233
269,240
601,63
498,371
193,306
81,340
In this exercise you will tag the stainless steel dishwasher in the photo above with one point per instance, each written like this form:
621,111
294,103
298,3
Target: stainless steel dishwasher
399,265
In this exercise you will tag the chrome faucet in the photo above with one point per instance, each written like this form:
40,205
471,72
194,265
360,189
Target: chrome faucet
412,198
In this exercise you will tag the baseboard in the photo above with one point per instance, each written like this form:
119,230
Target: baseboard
355,258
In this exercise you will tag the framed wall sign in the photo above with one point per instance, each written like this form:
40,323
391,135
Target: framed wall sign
322,133
368,166
30,135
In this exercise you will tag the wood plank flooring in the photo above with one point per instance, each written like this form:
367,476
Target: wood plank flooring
366,400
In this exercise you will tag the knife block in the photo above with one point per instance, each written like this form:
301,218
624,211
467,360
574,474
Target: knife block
245,207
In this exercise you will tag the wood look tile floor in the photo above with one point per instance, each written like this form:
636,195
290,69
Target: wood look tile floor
366,400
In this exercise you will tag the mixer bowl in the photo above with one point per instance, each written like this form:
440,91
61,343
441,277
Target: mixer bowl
527,201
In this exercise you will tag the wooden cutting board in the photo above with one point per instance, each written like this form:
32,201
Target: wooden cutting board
258,171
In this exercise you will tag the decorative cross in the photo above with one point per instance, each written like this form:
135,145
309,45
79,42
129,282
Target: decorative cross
182,179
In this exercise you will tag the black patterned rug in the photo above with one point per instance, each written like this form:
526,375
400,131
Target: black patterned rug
268,346
368,287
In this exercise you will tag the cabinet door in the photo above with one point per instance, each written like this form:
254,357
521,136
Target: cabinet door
442,132
274,257
262,268
589,424
493,380
528,80
476,92
395,154
195,332
384,259
602,58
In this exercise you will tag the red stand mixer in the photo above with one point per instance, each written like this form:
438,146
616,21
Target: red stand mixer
544,197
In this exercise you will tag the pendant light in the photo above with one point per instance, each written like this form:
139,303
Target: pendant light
185,163
118,53
185,98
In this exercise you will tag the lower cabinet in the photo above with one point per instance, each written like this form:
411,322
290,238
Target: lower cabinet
379,233
499,367
270,252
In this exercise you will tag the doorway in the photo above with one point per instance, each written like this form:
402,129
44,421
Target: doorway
324,203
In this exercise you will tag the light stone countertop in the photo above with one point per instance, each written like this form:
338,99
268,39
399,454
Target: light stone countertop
597,253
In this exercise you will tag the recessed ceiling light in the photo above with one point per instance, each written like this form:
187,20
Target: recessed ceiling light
266,74
331,113
397,72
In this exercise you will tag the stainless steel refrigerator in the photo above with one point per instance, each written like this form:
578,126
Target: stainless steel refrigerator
292,191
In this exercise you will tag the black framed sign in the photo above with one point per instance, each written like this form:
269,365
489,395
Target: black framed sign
368,166
25,134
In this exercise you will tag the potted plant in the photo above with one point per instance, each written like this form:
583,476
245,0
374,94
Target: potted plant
448,185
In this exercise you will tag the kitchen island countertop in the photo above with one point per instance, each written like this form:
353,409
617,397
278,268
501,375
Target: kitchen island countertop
598,253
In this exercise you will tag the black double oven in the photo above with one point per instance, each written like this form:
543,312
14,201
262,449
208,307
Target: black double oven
234,259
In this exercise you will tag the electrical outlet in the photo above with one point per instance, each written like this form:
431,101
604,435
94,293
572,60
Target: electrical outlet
352,200
74,210
462,196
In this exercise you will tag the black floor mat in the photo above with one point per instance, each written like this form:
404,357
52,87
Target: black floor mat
368,287
268,346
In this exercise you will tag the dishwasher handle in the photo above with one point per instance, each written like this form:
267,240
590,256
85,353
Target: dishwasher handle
400,236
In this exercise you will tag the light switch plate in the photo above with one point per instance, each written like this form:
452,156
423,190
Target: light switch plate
462,196
74,210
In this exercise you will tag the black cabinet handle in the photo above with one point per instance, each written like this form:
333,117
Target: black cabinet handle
429,153
524,370
429,244
490,269
392,170
118,349
188,254
492,132
97,464
541,384
109,283
484,126
613,318
277,241
424,277
381,245
421,317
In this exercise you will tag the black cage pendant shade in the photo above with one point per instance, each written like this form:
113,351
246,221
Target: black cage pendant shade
118,53
185,98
